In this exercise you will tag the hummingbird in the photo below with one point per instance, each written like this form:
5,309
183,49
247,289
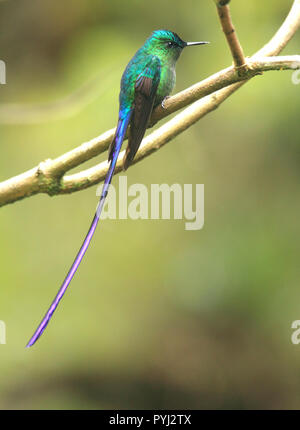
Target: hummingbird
147,81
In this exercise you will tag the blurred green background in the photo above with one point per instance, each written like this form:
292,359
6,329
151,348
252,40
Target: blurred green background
157,316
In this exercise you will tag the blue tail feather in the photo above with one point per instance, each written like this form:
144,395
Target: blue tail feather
113,157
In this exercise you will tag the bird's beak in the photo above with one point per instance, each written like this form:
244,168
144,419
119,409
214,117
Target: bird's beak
196,43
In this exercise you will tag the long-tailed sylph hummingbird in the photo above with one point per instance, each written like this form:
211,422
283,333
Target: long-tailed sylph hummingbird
148,78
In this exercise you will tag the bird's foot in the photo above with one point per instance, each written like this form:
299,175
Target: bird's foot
164,101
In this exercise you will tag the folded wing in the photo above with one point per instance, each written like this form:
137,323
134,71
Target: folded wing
145,91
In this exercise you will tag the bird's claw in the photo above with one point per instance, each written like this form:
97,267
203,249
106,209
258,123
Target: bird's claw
163,102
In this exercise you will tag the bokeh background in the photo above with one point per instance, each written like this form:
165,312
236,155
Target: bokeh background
157,316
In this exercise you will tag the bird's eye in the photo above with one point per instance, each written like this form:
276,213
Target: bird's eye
170,44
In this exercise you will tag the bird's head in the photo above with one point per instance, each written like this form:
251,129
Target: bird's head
167,45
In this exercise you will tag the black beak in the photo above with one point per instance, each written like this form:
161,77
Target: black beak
196,43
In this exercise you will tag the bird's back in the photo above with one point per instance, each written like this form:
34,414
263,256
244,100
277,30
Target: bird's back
135,67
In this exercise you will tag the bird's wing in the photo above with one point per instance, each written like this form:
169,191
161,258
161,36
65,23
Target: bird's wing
146,86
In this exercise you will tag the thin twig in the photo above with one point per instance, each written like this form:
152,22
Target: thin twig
231,36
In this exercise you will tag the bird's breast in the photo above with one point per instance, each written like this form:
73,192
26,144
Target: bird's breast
166,83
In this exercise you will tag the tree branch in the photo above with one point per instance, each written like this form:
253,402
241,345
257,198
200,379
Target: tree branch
230,34
49,176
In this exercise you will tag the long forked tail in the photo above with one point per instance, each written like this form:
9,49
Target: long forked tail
119,137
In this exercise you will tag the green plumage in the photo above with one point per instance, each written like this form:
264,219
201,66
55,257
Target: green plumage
163,45
148,78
